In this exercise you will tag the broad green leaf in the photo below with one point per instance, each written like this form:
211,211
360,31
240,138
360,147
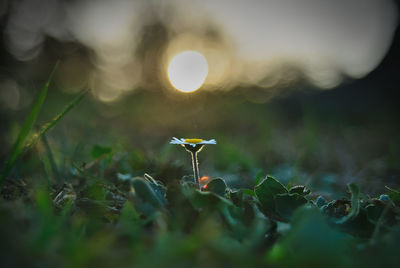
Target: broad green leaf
258,178
237,197
299,189
216,186
204,200
26,129
146,193
209,200
267,190
157,186
249,192
286,204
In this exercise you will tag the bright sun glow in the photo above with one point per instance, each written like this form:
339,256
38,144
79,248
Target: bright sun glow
187,71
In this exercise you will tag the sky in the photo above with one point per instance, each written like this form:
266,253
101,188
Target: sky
267,44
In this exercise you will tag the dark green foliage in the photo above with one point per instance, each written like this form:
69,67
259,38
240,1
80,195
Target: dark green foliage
204,200
216,186
266,192
237,197
276,201
98,208
311,242
150,195
95,222
286,204
19,148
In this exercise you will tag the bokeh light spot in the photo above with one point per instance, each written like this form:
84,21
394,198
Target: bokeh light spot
187,71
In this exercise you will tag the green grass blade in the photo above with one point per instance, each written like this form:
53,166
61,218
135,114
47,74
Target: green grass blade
54,121
26,128
52,161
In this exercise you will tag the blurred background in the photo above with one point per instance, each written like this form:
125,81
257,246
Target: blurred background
306,90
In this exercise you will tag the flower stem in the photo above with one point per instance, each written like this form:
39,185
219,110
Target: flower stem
195,164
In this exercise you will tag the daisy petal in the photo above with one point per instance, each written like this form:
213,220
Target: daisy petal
212,141
175,141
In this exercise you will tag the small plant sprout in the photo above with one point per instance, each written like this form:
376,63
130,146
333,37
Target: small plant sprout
193,146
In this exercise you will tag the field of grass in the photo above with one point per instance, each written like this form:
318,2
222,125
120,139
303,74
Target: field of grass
295,182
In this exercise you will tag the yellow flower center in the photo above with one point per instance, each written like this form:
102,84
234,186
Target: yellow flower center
193,140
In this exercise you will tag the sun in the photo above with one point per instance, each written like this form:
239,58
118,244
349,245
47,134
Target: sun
187,71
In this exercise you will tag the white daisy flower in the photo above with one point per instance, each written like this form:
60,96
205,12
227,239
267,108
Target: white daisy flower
193,146
192,142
